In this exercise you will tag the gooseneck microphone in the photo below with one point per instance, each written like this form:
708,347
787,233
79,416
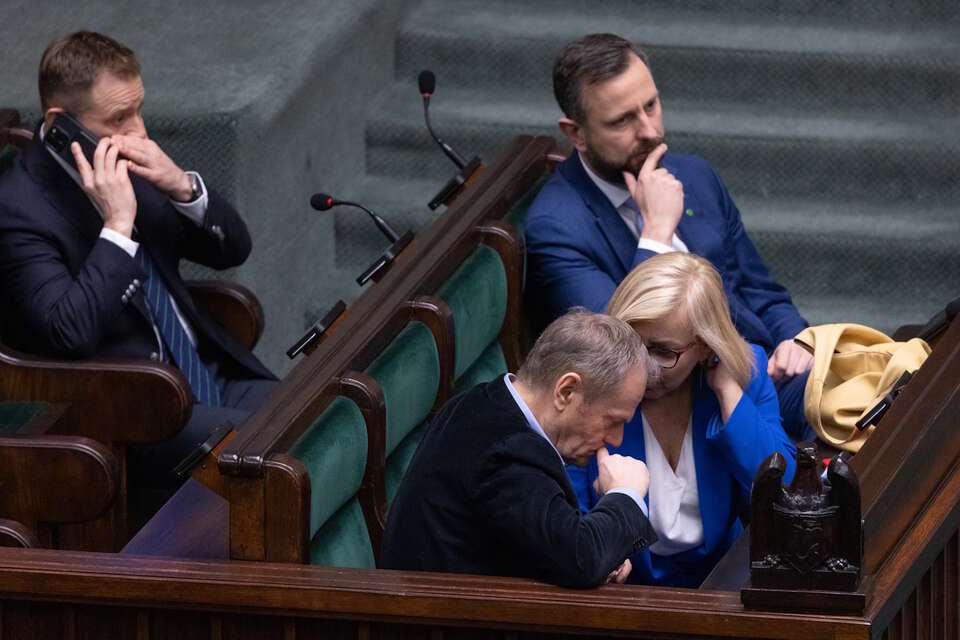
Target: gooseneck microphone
428,83
323,202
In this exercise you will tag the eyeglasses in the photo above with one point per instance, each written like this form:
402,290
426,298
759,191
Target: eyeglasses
668,358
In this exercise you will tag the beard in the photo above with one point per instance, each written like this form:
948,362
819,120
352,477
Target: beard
612,171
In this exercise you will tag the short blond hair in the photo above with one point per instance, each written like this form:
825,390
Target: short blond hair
686,282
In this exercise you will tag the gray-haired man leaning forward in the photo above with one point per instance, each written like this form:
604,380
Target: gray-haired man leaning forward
487,491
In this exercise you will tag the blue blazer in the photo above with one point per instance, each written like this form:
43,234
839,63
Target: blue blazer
726,458
579,250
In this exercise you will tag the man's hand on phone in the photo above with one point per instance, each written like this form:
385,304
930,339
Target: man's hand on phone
149,161
108,186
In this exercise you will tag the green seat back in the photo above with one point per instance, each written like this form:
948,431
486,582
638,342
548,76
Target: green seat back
477,296
408,371
14,416
334,451
400,459
491,364
517,215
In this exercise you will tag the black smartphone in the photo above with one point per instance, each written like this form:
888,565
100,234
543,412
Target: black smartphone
66,130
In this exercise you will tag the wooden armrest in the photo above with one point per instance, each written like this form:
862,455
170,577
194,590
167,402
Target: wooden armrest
110,400
14,534
10,130
233,306
56,479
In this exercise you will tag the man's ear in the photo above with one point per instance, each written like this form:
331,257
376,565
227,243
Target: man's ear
565,391
49,115
573,132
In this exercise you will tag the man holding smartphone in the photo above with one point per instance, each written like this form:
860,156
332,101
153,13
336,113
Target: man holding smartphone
90,246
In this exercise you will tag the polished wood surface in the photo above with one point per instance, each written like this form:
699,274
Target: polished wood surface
233,306
290,601
194,523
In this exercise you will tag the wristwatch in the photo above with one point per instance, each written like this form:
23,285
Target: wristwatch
195,189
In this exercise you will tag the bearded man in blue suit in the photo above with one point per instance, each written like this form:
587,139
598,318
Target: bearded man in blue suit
621,198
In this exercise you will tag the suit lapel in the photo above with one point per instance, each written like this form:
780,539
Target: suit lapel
61,192
611,225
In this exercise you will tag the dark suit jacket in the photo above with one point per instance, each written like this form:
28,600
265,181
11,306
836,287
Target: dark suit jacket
63,287
579,249
486,494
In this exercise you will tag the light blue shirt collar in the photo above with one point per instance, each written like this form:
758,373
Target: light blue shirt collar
525,410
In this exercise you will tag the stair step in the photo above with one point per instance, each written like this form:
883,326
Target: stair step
782,152
812,62
884,312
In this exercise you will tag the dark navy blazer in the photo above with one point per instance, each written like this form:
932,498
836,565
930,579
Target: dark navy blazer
579,250
63,286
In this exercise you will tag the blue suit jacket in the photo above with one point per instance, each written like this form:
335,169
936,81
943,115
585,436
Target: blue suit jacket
62,285
579,250
726,457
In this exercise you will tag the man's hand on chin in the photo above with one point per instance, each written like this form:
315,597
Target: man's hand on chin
788,360
148,160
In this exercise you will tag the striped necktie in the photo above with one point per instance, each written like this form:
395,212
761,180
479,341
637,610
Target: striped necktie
202,382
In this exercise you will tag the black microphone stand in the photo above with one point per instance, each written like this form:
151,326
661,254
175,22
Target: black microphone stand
427,83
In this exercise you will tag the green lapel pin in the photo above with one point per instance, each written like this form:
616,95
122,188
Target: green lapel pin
689,212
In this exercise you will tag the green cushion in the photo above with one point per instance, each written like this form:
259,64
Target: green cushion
16,415
491,364
334,451
477,295
408,371
517,215
400,459
343,540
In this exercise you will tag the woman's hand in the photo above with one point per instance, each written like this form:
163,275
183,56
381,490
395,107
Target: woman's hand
724,385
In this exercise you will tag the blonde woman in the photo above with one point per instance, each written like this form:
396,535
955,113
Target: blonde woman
702,428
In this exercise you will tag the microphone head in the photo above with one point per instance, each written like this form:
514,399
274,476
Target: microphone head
321,201
427,82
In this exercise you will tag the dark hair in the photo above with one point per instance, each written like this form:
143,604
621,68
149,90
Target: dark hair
591,59
70,65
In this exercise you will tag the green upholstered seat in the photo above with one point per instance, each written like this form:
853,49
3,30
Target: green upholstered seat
16,415
408,371
400,459
517,215
477,296
491,364
334,451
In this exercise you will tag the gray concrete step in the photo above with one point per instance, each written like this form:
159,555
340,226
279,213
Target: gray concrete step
811,61
783,152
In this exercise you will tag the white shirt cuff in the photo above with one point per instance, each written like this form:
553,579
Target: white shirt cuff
627,491
653,245
196,210
120,240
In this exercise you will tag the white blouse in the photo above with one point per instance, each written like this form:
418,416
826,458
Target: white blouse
673,496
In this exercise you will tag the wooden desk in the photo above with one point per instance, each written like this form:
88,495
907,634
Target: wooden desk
194,523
